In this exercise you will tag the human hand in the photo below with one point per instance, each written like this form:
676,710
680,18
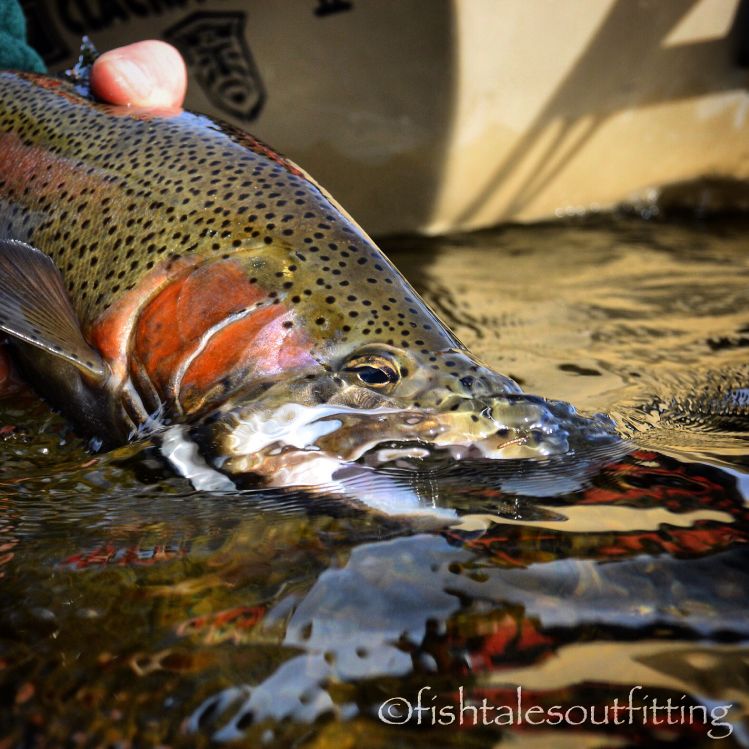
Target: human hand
148,74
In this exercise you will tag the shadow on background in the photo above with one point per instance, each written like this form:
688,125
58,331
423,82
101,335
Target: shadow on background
613,74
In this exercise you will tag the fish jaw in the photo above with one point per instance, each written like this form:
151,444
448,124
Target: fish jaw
283,443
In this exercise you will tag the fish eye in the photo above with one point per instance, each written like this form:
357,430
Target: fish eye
374,370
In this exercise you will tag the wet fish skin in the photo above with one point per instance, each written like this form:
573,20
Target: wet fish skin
213,279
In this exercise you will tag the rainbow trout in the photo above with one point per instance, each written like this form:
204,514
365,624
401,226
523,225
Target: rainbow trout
172,275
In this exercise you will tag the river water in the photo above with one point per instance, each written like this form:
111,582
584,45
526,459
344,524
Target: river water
598,602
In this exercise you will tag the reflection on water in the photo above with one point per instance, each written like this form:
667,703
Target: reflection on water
138,612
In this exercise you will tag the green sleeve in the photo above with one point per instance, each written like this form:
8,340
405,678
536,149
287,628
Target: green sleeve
15,53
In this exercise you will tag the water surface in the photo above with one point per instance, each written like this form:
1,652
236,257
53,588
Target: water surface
138,612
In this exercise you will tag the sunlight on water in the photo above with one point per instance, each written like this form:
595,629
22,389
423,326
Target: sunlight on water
136,611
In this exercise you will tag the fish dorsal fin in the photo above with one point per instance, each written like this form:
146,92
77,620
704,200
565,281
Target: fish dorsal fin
35,307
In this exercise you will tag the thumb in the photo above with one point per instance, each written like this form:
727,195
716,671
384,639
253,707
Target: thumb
145,74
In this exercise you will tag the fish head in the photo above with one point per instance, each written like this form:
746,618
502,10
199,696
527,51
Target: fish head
280,356
376,402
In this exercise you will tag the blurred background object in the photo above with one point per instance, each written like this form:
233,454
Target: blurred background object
441,115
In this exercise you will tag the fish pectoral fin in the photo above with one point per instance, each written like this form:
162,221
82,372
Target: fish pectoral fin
35,307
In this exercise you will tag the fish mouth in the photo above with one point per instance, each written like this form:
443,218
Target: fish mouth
506,426
349,452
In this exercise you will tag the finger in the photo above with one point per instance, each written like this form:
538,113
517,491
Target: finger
144,74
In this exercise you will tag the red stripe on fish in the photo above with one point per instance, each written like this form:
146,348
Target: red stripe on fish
35,171
259,343
173,324
111,332
201,334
